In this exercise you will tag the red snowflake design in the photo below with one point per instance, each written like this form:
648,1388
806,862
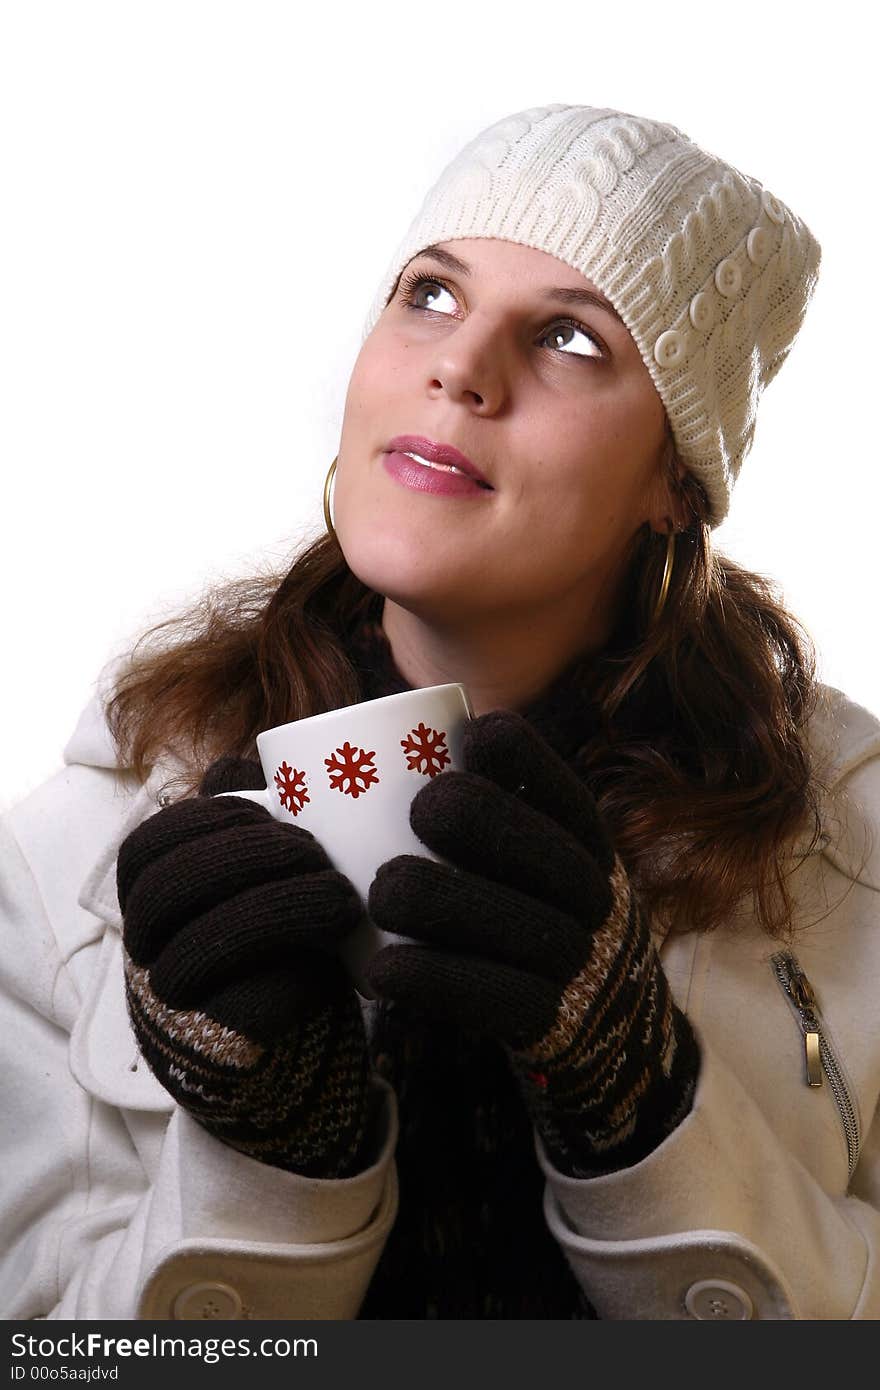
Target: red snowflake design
425,750
291,786
351,771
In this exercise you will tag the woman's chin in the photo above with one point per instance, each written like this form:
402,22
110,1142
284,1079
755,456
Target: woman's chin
406,579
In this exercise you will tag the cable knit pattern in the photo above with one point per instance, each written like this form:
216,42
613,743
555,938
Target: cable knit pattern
710,272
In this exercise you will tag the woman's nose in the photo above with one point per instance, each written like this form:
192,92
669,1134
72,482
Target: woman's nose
469,366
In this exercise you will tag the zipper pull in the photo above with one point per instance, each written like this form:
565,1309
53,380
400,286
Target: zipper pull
805,998
813,1059
821,1063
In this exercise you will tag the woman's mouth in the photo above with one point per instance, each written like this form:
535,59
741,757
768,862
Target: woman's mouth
426,475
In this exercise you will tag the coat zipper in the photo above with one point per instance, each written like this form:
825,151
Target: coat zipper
818,1056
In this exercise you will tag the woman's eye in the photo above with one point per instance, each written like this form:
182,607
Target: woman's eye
423,293
561,335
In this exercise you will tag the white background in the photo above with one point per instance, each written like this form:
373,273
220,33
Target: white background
199,200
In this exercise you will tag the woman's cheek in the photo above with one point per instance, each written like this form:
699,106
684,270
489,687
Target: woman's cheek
375,549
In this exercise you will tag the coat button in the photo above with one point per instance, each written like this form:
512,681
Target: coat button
715,1299
728,277
206,1300
702,314
670,348
772,206
758,246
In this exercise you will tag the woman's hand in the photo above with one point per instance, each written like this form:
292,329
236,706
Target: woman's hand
240,1006
534,936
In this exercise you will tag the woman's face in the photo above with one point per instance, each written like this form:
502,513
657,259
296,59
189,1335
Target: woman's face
494,348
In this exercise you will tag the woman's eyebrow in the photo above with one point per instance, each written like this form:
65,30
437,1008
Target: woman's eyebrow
572,295
561,295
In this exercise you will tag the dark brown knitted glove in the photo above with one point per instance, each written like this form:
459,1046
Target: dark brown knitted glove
241,1008
534,936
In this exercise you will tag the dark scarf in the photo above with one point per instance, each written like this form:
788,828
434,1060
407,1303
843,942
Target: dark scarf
470,1239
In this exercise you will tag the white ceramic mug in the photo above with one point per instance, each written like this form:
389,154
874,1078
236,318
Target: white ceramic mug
349,776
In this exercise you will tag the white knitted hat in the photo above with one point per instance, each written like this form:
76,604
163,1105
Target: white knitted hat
709,271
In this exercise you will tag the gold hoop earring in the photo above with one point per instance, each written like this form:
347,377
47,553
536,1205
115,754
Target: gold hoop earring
328,483
667,576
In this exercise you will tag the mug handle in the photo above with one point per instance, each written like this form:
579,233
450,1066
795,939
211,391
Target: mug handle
260,797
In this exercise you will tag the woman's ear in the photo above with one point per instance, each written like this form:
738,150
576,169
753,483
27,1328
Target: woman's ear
670,509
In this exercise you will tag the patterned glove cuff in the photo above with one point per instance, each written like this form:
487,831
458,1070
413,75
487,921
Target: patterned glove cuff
608,1084
302,1105
585,1141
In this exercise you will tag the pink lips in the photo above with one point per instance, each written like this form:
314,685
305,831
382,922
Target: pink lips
468,482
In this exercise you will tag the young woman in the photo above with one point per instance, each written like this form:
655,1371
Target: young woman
630,1068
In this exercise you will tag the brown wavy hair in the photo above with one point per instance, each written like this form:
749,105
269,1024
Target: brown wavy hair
702,766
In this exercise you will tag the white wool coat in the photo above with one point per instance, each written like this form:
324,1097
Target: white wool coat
764,1203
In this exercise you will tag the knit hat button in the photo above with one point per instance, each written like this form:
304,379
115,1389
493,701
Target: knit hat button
670,348
772,206
758,246
728,277
702,313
